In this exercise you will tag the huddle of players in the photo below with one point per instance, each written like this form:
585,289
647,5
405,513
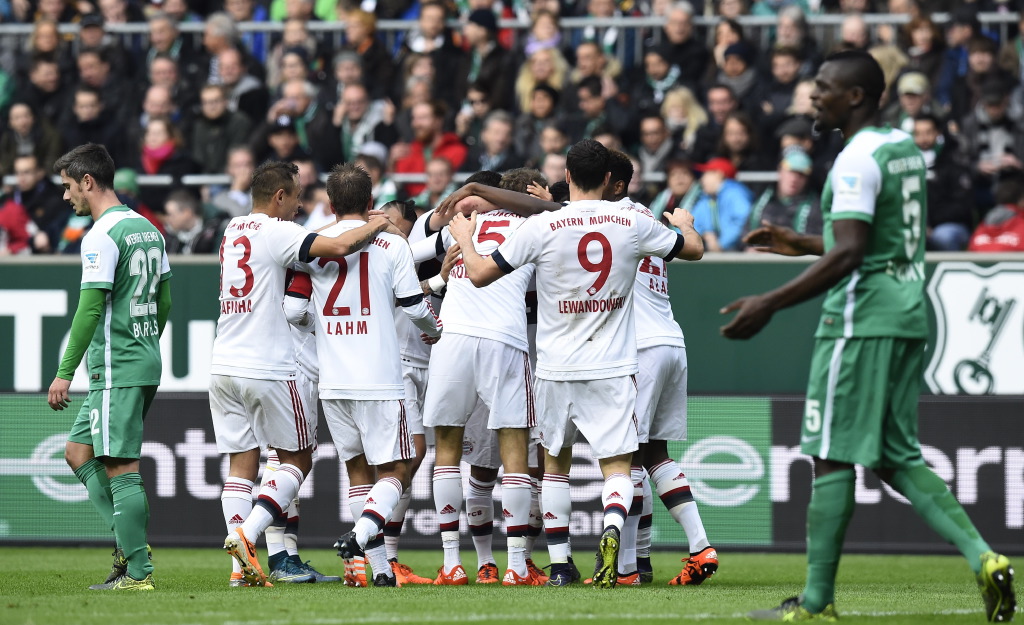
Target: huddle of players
585,258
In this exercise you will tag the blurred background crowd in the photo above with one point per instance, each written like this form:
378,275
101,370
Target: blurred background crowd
711,99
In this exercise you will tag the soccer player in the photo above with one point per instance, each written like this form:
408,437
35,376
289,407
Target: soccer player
254,399
125,285
586,256
363,397
483,363
866,369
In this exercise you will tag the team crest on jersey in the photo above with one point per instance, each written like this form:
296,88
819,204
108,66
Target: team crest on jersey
92,261
979,319
847,184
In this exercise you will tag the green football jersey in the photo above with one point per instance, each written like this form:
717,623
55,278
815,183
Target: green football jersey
124,254
880,178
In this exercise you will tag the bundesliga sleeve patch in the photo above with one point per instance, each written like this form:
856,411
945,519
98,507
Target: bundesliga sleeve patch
848,185
91,261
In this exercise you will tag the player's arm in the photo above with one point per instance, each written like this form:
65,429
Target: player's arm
296,301
520,203
784,241
83,326
163,304
480,271
411,299
319,246
693,244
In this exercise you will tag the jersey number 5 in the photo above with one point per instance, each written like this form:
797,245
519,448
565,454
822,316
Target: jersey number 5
603,266
911,216
330,307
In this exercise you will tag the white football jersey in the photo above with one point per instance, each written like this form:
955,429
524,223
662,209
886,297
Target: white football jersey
354,297
586,258
253,339
655,321
410,345
498,310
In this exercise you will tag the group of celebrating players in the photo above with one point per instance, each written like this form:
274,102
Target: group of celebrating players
307,315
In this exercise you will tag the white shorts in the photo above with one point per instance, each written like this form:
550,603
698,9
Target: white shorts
661,393
601,410
480,446
377,428
311,395
415,381
249,414
466,371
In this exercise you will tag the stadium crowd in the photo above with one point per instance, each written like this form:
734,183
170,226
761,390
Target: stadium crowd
703,106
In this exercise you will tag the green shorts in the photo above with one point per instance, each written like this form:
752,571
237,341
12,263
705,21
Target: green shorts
862,402
111,421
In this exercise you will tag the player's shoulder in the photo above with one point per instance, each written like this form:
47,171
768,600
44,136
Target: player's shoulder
877,144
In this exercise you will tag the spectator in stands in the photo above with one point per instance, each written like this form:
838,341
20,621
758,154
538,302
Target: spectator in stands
162,152
721,102
685,50
57,11
619,43
680,188
295,65
16,228
776,96
591,61
927,47
92,35
731,9
157,102
26,135
791,202
440,184
554,139
992,142
91,122
305,10
166,38
495,151
740,144
417,91
317,206
358,120
235,200
1011,54
361,35
950,201
42,200
963,26
723,208
914,93
683,116
802,104
529,124
469,122
295,39
553,167
163,72
1002,229
220,34
311,124
247,94
256,42
739,75
431,37
487,64
727,32
545,33
179,10
656,144
596,113
346,69
981,68
45,40
188,231
372,159
660,77
216,130
892,61
94,71
791,31
545,66
429,140
854,34
43,90
278,140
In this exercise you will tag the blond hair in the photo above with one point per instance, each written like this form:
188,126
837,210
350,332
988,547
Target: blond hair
526,81
696,116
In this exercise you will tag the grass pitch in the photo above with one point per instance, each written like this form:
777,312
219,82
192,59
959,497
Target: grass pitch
50,585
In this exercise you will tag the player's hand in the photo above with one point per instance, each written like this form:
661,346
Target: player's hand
755,311
447,209
380,222
451,258
462,229
538,191
681,218
776,239
429,340
58,394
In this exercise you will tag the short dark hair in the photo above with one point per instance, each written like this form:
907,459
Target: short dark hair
91,159
789,51
587,164
559,191
592,84
406,207
89,90
518,179
101,54
863,71
485,177
1009,190
722,85
930,117
349,188
620,167
185,199
270,177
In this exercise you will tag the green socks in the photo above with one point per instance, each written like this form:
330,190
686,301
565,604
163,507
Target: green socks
828,514
131,518
941,511
94,476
